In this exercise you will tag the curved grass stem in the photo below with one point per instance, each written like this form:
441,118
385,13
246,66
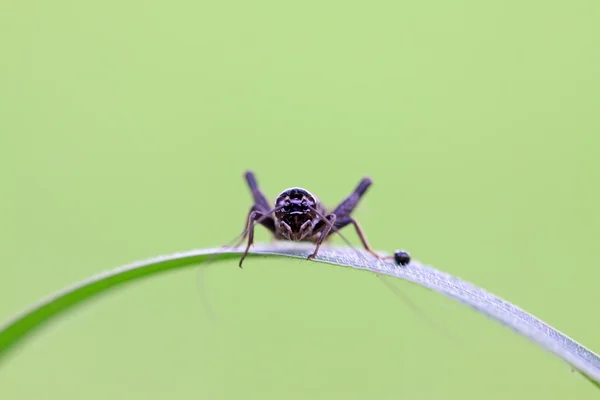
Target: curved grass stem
585,361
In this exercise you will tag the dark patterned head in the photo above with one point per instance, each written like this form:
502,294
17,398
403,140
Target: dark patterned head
297,216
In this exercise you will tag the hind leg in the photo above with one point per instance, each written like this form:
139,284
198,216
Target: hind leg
361,234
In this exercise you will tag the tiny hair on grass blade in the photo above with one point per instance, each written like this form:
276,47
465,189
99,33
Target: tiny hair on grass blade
579,357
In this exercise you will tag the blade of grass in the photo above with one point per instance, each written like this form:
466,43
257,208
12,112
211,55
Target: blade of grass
582,359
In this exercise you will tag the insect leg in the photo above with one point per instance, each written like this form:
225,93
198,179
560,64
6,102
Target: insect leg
259,198
349,204
361,234
254,215
265,220
325,230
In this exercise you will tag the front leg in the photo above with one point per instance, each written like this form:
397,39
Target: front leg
254,215
265,220
324,232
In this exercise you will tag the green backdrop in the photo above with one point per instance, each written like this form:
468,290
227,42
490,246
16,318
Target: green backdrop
126,128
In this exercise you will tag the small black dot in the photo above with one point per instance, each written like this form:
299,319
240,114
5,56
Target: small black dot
402,257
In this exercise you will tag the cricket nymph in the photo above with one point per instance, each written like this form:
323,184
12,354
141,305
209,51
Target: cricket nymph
297,214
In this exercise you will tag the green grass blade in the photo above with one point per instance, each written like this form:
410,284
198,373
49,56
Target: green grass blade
582,359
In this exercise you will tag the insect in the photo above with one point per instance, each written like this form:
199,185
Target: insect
402,257
298,215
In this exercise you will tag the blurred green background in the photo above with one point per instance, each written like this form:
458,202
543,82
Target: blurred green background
126,128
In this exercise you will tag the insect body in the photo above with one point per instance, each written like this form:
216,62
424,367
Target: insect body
402,257
298,215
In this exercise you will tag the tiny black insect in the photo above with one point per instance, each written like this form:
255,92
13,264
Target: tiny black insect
401,257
